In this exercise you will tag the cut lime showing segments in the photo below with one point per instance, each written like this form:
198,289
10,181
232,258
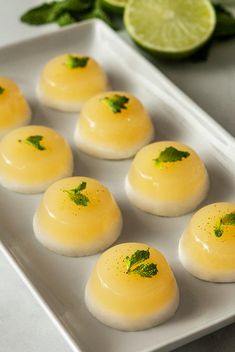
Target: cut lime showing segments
116,6
171,28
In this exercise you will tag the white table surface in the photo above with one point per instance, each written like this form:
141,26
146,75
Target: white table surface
24,327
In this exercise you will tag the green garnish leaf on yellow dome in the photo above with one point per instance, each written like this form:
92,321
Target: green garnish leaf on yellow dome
75,61
226,220
144,269
2,90
34,141
116,102
76,196
171,154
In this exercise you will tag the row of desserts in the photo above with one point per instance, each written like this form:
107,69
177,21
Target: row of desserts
141,184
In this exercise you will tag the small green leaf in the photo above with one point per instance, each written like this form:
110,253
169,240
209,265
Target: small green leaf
138,257
52,12
116,102
76,196
229,219
65,19
171,154
75,61
226,220
34,141
2,90
146,270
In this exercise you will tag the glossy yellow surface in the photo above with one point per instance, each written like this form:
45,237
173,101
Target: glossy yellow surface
131,294
14,109
59,82
22,163
200,243
70,224
173,181
122,130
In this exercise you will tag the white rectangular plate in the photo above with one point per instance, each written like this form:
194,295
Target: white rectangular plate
58,282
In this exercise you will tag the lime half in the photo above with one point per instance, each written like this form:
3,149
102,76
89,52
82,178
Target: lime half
116,6
171,28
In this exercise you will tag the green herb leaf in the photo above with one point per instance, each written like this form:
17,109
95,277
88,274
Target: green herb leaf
146,270
171,154
2,90
226,220
138,257
116,102
75,61
51,12
76,196
98,12
34,141
229,219
65,19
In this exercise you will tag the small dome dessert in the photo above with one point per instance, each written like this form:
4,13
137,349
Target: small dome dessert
67,81
167,179
113,125
77,216
207,247
14,109
132,288
33,157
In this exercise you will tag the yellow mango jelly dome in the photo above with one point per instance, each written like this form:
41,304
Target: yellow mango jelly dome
14,109
33,157
207,247
67,81
113,125
77,216
132,288
167,179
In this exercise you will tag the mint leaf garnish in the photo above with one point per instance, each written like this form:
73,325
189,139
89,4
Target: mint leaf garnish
2,90
34,141
227,219
171,154
140,256
76,196
146,270
75,61
116,102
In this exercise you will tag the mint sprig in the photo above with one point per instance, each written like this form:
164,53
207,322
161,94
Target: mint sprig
144,269
34,141
75,61
65,12
76,196
2,90
227,219
170,154
116,102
